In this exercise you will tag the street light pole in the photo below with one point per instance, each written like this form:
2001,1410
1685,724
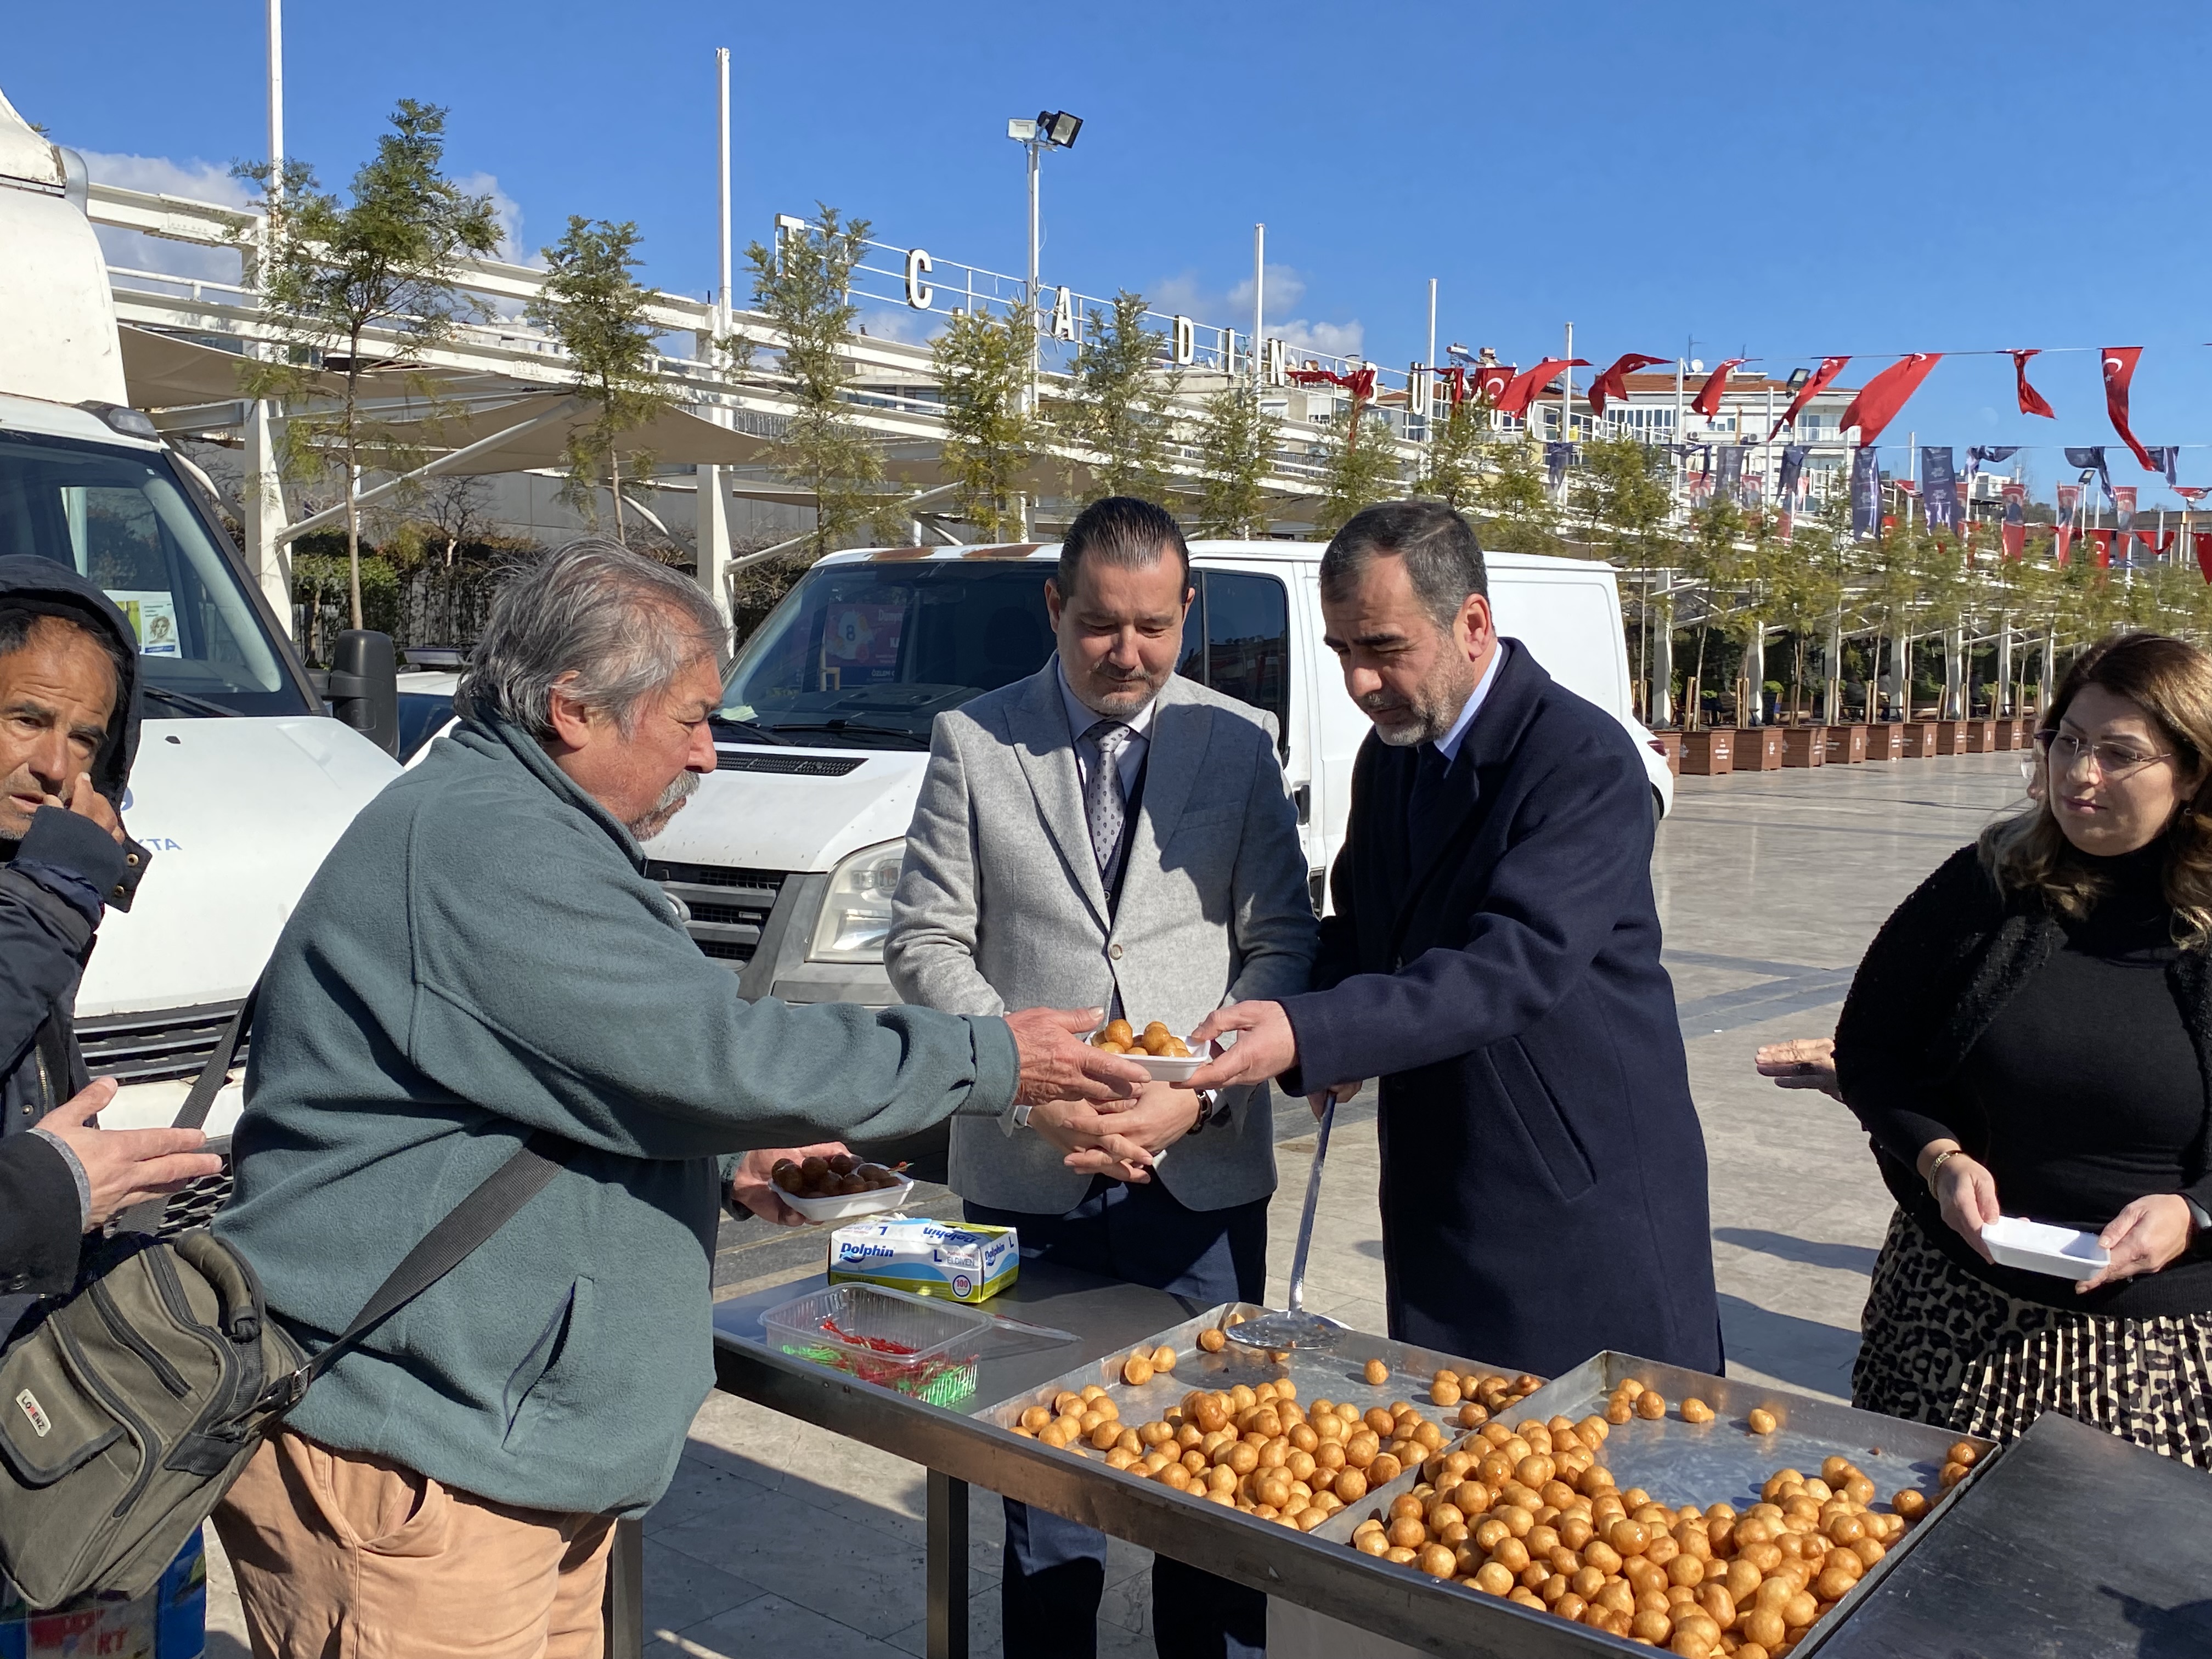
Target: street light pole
1036,143
1259,313
275,95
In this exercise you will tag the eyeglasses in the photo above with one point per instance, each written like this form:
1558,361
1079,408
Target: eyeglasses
2113,761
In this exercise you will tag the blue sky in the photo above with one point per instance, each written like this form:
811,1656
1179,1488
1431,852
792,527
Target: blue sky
1768,177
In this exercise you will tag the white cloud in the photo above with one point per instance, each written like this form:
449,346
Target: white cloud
194,180
508,212
901,323
1285,287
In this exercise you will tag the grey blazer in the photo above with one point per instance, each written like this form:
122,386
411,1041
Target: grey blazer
1000,906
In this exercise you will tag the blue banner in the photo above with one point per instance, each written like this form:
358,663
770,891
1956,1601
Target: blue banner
1866,493
1558,456
1939,486
1728,470
1989,455
1793,465
2092,460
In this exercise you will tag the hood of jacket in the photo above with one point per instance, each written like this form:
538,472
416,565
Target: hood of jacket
31,583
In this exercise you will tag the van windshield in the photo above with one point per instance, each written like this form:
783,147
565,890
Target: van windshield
119,516
865,655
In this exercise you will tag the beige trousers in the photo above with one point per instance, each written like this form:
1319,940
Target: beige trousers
343,1555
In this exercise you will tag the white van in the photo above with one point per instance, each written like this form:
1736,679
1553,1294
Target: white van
242,781
784,862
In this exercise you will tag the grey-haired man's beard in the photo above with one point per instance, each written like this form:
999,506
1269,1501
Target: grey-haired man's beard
656,818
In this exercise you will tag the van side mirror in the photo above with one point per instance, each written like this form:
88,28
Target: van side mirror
364,686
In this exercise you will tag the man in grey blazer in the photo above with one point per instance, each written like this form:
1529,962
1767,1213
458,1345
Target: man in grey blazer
1106,834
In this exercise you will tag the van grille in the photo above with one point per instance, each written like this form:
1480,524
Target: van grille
147,1048
729,908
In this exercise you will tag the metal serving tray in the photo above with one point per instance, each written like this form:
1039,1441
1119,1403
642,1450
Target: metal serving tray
1334,1370
1719,1461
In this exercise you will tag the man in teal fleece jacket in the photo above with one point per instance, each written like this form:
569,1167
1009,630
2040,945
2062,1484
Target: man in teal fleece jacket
482,956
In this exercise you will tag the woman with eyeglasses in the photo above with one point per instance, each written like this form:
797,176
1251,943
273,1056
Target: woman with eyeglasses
2030,1035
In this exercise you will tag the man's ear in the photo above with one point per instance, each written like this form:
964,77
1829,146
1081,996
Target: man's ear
1474,627
1053,602
570,720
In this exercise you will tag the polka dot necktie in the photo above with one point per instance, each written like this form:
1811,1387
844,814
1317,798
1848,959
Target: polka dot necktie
1104,803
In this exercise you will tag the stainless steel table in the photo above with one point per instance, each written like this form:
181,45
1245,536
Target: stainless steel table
2073,1546
959,1450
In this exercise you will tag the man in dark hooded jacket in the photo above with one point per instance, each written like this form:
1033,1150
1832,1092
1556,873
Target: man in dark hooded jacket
68,727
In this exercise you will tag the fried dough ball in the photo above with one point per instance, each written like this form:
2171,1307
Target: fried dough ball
1376,1373
1213,1340
1761,1420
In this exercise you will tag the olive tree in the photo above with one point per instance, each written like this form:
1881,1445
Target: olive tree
340,278
592,303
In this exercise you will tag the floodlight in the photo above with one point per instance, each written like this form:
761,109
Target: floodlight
1697,365
1059,127
1798,379
2089,475
1021,131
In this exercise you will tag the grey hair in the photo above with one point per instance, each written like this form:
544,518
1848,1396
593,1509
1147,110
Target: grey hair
625,626
1443,561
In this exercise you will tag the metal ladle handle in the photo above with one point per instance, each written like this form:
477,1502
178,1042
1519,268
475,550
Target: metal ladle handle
1313,1200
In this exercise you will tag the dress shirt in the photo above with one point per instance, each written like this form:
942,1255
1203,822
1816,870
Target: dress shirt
1081,717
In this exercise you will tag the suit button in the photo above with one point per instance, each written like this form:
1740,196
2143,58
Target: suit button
1115,952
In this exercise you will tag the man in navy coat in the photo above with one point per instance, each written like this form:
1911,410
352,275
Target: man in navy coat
1494,959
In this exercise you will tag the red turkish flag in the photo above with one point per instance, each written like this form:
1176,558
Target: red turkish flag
1829,368
1707,403
1614,383
2031,400
2103,540
1525,388
1492,381
1880,398
2120,371
2189,492
2203,540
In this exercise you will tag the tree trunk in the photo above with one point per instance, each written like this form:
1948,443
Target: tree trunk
614,471
1662,667
1693,717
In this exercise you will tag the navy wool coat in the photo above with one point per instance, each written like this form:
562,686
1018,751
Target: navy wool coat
1543,1171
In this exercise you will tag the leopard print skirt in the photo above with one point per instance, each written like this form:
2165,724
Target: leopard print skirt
1940,1346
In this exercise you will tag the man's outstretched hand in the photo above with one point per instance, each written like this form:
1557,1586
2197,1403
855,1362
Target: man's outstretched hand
1266,1047
123,1167
1057,1064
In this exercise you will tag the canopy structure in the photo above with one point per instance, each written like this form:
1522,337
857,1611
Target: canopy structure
165,371
539,428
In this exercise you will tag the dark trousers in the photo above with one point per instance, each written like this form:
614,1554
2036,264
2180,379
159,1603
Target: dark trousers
1054,1570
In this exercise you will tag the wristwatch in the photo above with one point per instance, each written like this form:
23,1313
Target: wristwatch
1021,1115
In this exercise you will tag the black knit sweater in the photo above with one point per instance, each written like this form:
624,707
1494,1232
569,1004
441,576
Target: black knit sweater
2072,1057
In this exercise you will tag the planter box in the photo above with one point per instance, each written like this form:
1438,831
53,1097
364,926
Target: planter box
1759,749
2023,732
1990,736
1805,745
1886,741
1952,737
1846,745
1922,741
1708,754
1670,747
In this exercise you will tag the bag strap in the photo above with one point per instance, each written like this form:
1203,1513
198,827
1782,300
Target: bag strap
199,1101
495,1201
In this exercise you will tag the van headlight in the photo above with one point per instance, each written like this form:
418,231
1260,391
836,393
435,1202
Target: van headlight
856,911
